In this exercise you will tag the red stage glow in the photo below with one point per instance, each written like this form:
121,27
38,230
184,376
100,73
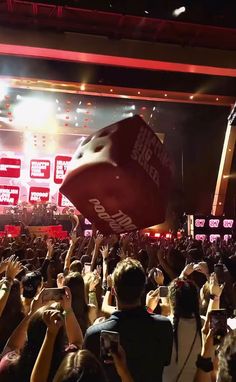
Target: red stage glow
103,59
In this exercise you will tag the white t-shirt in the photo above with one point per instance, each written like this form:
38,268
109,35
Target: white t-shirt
186,332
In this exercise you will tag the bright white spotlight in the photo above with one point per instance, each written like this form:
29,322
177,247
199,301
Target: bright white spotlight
3,90
133,107
177,12
18,97
36,114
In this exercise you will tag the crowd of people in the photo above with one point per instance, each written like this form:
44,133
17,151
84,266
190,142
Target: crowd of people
120,308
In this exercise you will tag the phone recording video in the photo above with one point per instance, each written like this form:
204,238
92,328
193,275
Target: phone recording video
53,294
219,271
109,342
87,267
218,324
163,291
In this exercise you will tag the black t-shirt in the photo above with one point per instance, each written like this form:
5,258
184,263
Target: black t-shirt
146,338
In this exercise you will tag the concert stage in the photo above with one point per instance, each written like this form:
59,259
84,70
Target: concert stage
54,231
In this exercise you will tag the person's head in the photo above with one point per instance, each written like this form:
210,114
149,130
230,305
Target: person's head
35,337
155,277
129,282
184,303
75,282
227,359
81,366
31,284
76,266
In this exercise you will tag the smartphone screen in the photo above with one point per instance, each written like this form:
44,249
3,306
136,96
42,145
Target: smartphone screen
218,324
164,291
87,267
109,342
219,271
53,294
88,232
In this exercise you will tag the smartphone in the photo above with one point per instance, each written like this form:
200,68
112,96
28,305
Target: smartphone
87,267
109,342
88,232
164,291
53,294
219,271
218,324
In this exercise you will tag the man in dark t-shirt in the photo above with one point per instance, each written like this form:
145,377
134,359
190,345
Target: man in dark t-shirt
146,338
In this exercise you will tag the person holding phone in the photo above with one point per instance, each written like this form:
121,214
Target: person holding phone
187,323
146,338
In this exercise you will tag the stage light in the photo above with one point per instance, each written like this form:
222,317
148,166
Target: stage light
178,11
128,115
79,110
133,107
191,97
18,97
147,234
154,108
111,90
217,99
157,234
3,90
165,95
36,114
139,93
168,236
147,13
82,87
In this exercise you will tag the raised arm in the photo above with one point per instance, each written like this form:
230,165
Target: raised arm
70,251
73,330
41,369
98,240
13,268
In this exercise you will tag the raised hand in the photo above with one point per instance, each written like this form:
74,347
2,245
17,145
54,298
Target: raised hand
54,321
202,267
98,240
13,268
4,263
36,303
189,268
66,299
94,281
159,277
105,252
152,299
120,363
214,287
73,238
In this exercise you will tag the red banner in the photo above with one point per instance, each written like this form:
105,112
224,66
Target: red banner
38,194
9,195
63,201
10,167
61,164
40,169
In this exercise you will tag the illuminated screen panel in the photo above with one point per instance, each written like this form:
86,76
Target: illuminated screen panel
213,228
40,169
39,133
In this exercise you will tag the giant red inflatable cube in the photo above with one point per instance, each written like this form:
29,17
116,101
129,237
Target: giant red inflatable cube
119,178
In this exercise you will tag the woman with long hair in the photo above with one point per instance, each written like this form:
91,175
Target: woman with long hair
85,313
18,364
186,321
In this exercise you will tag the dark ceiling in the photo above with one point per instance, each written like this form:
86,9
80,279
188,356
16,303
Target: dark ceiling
208,23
